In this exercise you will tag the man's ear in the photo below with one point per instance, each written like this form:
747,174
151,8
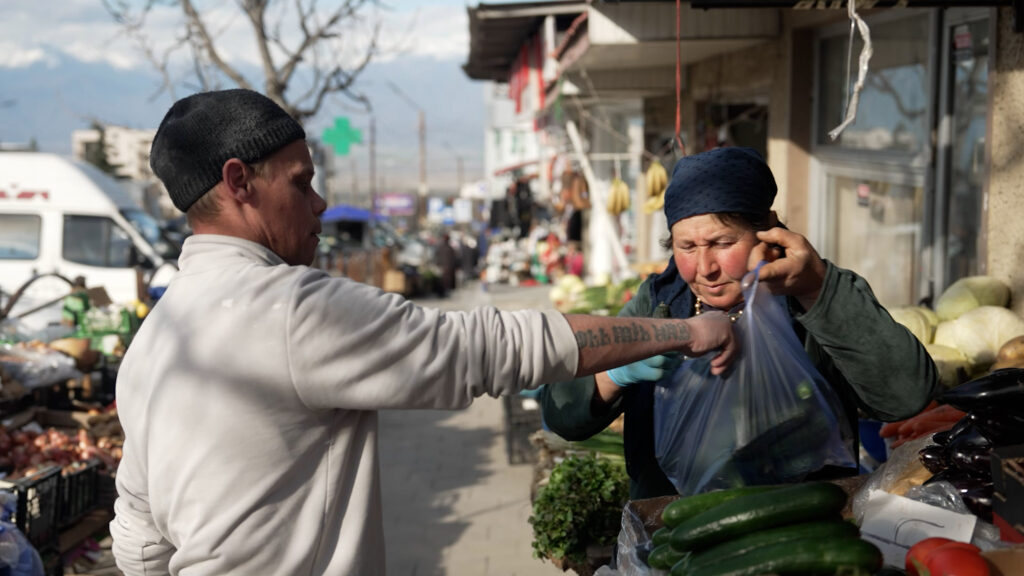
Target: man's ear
236,176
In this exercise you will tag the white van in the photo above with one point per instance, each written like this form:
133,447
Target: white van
62,219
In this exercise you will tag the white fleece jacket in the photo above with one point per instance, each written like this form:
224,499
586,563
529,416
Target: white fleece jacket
249,398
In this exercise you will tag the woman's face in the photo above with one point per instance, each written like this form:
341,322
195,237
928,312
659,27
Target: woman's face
712,257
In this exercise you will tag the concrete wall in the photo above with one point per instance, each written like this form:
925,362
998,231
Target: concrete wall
1005,194
762,73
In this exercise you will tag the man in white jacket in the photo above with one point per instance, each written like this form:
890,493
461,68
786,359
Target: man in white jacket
249,396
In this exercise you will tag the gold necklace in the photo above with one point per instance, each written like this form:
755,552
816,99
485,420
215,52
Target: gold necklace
698,308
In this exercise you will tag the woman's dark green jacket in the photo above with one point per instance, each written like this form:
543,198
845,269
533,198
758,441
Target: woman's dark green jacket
874,364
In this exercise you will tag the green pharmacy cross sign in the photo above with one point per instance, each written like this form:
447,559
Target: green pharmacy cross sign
342,135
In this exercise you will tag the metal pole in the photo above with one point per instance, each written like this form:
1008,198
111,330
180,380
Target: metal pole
422,125
373,164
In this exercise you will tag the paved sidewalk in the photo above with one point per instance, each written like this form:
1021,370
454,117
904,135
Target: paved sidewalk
452,503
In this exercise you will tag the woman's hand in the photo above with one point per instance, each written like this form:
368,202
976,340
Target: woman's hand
799,271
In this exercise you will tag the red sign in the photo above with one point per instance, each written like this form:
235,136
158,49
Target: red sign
23,194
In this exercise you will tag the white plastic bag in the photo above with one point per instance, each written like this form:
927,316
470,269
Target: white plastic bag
770,419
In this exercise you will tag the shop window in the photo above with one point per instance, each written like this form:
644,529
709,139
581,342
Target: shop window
96,241
19,236
892,114
720,124
968,70
876,231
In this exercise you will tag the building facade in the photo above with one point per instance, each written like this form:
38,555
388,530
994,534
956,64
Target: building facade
918,191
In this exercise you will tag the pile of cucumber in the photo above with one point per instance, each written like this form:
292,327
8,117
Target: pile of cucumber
791,530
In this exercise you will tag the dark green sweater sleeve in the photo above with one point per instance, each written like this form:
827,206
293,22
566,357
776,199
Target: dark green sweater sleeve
568,406
883,365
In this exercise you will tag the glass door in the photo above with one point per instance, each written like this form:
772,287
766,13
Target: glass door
875,229
961,169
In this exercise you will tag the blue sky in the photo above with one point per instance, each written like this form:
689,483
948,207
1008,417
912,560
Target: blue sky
62,66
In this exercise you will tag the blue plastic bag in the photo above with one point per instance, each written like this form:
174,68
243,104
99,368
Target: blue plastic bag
17,556
770,419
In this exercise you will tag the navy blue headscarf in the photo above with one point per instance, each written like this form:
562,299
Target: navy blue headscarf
732,179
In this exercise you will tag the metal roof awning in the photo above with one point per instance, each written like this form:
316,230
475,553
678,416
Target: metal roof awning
496,31
346,213
517,166
836,4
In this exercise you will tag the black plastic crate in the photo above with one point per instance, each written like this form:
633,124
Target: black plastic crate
1008,485
11,406
522,419
79,491
53,561
36,513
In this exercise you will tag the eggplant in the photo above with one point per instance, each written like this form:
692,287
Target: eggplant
979,500
934,458
960,480
1003,388
943,438
975,461
1001,429
970,437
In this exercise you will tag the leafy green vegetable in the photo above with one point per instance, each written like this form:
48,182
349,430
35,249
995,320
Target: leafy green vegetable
604,442
581,504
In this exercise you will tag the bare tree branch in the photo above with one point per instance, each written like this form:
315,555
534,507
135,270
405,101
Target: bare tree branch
199,28
133,25
256,10
296,56
340,80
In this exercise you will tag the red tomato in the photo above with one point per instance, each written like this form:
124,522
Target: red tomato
920,551
956,561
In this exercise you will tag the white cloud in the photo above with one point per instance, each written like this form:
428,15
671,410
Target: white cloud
12,56
84,30
441,32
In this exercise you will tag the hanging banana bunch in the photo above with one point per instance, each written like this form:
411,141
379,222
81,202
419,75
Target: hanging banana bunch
657,182
618,197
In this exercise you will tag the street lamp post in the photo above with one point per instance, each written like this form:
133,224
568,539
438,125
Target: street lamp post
421,128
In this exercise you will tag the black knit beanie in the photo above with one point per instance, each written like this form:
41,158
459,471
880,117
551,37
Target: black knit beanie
731,179
203,131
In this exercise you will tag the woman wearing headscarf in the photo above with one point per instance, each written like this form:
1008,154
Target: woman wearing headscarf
718,207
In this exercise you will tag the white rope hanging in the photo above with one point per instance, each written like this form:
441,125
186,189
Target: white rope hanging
862,68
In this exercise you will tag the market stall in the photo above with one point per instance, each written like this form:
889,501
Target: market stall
60,438
944,497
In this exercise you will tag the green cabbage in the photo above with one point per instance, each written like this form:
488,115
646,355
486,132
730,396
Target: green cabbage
980,333
930,314
968,293
913,318
951,363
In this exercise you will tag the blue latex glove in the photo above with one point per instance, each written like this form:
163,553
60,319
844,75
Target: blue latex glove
647,370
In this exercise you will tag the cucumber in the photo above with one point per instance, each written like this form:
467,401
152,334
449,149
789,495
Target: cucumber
689,506
835,528
661,536
810,556
664,557
789,505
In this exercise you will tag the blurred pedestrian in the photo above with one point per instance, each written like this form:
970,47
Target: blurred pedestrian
446,257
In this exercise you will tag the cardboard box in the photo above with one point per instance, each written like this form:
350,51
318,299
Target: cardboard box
1008,488
394,281
1006,562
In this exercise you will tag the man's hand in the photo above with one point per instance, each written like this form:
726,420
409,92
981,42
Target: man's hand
798,272
713,331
